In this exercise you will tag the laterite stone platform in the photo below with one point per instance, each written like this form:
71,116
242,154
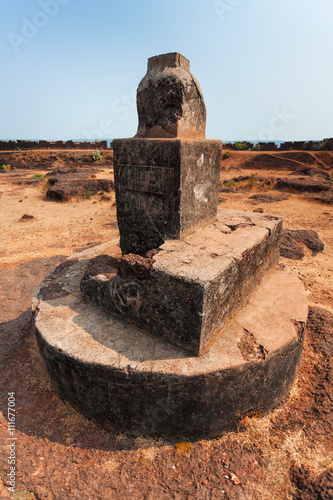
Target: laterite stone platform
114,373
192,287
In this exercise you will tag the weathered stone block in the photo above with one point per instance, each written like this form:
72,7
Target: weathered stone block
191,288
170,101
164,189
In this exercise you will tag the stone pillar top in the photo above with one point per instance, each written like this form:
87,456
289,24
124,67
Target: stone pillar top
170,60
170,101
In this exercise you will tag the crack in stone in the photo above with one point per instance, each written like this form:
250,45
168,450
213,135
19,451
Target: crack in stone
250,349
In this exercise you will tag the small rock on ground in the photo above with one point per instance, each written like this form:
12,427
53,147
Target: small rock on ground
268,198
312,172
290,240
326,197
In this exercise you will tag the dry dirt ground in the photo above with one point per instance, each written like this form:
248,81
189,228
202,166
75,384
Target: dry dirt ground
286,454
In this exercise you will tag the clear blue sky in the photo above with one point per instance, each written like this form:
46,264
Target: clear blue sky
70,68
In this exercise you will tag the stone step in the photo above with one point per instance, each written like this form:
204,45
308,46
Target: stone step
191,288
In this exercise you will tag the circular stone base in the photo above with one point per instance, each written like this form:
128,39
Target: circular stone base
118,375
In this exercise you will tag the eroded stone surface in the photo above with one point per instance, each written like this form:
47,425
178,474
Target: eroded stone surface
302,184
313,172
164,189
289,248
291,238
192,287
268,198
170,101
98,362
65,187
326,197
309,237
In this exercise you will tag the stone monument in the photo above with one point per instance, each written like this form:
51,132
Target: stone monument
188,323
167,177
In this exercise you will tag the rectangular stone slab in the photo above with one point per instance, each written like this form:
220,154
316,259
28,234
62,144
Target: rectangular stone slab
192,287
165,188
